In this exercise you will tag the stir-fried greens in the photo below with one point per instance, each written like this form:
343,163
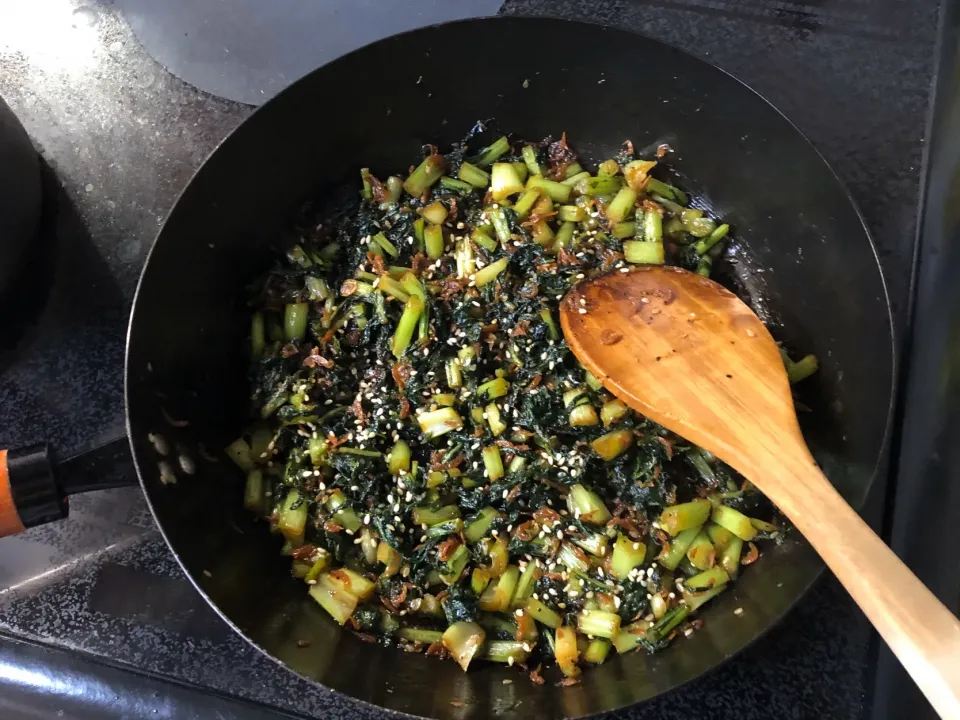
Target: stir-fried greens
446,475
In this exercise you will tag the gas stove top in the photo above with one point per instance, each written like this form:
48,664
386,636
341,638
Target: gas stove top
96,619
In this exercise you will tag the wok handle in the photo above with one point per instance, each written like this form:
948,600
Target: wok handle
34,486
29,491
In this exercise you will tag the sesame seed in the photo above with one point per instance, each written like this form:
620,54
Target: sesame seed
738,611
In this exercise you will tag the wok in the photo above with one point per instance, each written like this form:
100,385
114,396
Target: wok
802,258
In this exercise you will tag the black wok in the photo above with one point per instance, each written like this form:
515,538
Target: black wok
803,258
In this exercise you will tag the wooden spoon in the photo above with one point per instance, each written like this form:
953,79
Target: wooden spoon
687,353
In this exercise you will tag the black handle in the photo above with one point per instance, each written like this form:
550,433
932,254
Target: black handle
34,487
107,466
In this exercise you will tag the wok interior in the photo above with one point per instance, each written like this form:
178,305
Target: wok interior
801,253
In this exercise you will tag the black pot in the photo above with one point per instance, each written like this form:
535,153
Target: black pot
19,194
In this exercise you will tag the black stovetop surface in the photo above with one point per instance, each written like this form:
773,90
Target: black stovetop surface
96,608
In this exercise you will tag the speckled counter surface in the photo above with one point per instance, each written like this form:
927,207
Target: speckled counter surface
120,137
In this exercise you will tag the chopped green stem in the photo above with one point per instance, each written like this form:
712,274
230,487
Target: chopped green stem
603,185
575,181
707,243
490,272
627,554
543,614
435,213
587,505
667,623
525,204
558,192
407,325
571,213
621,207
734,521
640,252
399,458
421,635
623,230
613,444
498,595
552,329
500,225
433,240
253,497
677,548
506,651
701,553
598,623
480,525
493,389
426,174
295,321
652,226
388,247
393,288
429,516
597,651
705,266
660,188
707,579
525,586
504,181
492,153
473,175
334,597
693,600
459,186
802,369
685,516
258,339
463,640
530,158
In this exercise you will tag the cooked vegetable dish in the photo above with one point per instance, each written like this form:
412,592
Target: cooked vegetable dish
444,473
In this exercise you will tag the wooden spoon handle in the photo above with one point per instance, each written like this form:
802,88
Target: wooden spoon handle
921,632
